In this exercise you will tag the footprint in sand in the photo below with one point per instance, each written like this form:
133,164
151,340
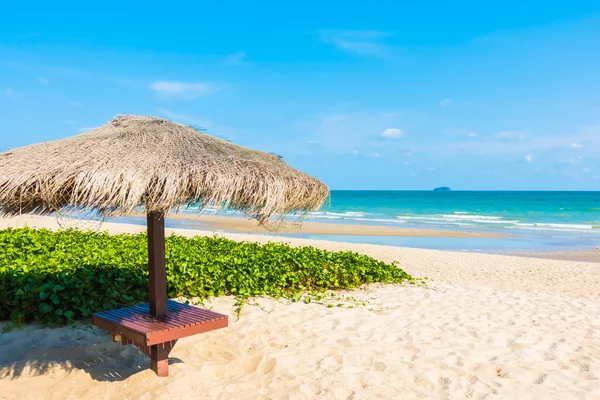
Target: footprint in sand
379,366
540,379
344,342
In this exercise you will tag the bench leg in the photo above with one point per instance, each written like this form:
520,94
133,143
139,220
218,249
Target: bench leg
159,356
158,353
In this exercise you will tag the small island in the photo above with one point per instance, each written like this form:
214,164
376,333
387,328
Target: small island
442,189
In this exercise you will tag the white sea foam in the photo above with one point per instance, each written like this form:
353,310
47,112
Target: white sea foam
387,220
570,226
325,216
466,219
454,219
349,214
472,217
557,227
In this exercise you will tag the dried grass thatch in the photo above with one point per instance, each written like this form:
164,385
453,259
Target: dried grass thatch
138,161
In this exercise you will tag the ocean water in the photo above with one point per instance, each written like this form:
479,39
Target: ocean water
536,221
576,212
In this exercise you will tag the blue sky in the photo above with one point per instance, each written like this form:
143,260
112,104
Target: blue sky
363,95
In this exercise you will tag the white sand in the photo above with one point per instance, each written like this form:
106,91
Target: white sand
494,327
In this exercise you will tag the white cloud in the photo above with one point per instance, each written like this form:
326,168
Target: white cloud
10,93
571,175
364,43
184,89
446,102
344,132
76,104
576,145
586,170
43,80
529,158
407,154
589,136
406,163
393,133
431,169
313,142
238,58
375,155
472,134
355,152
510,135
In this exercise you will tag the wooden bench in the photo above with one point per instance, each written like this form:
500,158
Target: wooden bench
156,336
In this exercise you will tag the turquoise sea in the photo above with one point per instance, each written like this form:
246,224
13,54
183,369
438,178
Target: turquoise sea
537,221
495,211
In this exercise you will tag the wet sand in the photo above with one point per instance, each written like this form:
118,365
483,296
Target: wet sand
575,255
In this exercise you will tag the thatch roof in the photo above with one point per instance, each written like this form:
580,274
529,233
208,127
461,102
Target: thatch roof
135,161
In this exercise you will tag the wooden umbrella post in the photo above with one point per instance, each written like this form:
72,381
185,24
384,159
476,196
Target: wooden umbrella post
156,264
159,355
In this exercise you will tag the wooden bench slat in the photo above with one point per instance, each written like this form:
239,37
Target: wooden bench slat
132,320
188,315
196,314
180,317
181,320
176,316
160,337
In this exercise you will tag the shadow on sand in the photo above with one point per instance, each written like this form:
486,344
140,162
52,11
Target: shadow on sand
37,350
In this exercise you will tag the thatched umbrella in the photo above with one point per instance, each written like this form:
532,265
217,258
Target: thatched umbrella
135,161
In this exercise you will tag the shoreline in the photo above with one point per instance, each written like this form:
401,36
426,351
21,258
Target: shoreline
233,224
592,255
243,225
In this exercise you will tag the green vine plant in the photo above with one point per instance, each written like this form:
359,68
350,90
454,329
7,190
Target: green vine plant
60,277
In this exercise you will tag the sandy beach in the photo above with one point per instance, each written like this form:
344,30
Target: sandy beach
486,326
